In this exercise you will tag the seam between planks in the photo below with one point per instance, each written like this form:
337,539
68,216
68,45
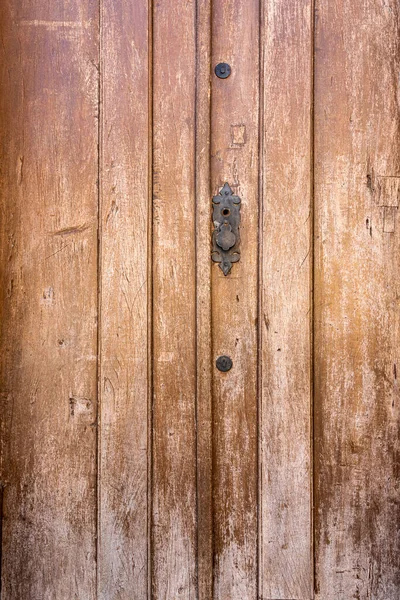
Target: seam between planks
196,303
99,293
312,280
150,306
261,110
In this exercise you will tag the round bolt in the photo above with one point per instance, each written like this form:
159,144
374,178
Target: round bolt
222,70
224,363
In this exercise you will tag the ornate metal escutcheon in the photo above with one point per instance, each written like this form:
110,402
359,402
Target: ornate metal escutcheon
226,218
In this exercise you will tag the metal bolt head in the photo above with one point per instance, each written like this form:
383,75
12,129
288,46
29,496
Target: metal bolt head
224,363
222,70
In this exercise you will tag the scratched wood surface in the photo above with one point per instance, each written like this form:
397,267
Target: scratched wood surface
234,159
174,309
203,304
124,295
48,133
199,483
285,378
357,176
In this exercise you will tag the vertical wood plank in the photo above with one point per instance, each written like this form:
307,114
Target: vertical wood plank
357,174
48,137
174,308
234,105
203,304
285,388
123,543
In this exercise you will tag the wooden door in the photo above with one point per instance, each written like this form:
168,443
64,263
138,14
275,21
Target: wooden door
131,466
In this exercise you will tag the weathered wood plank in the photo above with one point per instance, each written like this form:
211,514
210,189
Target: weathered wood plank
357,172
123,453
203,304
174,309
285,379
234,159
48,256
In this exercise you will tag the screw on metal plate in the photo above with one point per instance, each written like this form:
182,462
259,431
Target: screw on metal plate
222,70
224,363
226,218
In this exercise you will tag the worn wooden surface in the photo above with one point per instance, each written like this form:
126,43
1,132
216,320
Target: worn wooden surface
203,304
124,295
199,483
285,311
234,159
174,537
48,132
357,175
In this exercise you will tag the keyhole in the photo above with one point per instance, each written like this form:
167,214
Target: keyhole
226,212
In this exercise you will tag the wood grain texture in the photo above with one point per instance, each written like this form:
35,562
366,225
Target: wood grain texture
357,170
123,477
235,102
285,379
203,304
174,309
199,484
48,133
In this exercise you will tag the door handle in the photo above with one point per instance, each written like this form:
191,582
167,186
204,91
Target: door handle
226,219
